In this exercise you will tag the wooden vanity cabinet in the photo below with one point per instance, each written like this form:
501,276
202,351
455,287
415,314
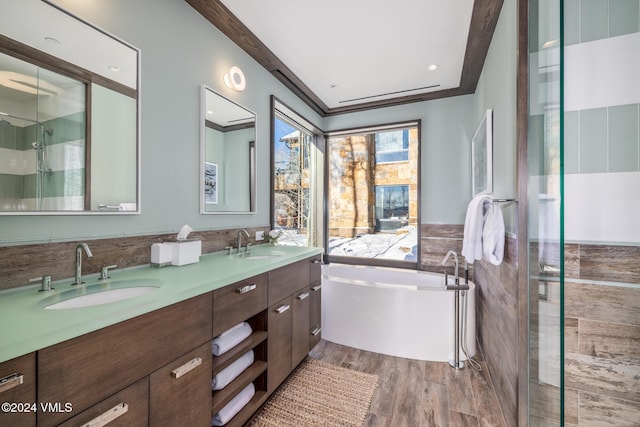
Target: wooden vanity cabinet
180,391
87,369
289,318
18,385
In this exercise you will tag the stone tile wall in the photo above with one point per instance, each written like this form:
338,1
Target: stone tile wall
18,264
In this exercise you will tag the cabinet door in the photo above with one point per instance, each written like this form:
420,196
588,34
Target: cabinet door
300,326
181,391
127,408
315,314
18,385
279,343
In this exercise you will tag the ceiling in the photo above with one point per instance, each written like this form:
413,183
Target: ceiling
344,56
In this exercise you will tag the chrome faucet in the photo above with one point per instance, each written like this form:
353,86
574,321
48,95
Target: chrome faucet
455,257
87,251
240,233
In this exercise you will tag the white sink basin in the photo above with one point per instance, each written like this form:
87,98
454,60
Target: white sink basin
100,293
249,255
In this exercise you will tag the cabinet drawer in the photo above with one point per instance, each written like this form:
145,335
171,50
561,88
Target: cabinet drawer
315,314
238,302
181,391
19,386
85,370
288,279
315,271
128,408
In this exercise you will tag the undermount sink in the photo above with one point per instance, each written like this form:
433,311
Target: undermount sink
101,293
249,255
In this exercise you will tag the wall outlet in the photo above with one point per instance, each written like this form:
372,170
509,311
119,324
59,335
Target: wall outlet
259,235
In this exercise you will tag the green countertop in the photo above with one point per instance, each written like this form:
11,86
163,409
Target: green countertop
25,325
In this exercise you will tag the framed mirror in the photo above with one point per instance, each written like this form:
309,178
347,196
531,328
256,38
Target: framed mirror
482,156
227,156
69,135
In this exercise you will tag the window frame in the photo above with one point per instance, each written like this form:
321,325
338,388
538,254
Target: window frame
412,265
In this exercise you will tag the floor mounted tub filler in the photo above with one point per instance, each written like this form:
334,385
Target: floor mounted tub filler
397,312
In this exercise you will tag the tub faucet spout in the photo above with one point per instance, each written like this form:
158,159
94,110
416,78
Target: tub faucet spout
455,257
87,251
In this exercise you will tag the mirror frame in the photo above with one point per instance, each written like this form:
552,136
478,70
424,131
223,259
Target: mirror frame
100,80
253,202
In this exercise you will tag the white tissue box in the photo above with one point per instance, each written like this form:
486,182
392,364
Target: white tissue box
185,252
161,254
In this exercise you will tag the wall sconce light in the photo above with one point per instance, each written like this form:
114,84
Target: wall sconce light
234,79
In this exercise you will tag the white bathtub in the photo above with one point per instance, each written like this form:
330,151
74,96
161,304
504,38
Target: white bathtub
397,312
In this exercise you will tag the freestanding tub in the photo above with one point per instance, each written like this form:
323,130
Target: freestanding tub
392,311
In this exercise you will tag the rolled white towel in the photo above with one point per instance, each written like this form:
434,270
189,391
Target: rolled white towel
230,338
231,372
236,404
472,242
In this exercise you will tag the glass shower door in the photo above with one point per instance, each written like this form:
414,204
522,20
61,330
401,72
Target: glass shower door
545,222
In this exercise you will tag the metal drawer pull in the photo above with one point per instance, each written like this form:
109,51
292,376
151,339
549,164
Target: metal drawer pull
283,308
187,367
316,331
303,295
316,261
104,419
11,381
316,288
246,288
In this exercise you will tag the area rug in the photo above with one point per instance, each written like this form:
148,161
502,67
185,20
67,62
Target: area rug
319,394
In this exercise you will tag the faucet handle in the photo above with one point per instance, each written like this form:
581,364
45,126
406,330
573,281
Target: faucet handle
229,249
104,272
45,283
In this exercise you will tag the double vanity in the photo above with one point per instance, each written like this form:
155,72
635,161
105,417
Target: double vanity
136,348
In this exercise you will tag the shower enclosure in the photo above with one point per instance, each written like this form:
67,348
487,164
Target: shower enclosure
583,205
42,138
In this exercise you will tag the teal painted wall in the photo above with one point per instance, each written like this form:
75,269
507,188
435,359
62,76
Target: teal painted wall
497,90
180,51
447,126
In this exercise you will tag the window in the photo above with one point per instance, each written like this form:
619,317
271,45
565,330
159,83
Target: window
297,159
373,177
392,146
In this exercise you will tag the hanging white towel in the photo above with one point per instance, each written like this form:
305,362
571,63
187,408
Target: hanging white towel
231,372
230,338
472,242
236,404
493,234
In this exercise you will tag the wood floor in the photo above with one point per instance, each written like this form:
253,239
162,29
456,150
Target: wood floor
416,393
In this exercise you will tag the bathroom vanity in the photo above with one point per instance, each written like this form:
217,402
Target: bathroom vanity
152,363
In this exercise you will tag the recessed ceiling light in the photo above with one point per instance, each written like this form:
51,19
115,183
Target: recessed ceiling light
52,40
549,44
432,67
209,112
114,68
